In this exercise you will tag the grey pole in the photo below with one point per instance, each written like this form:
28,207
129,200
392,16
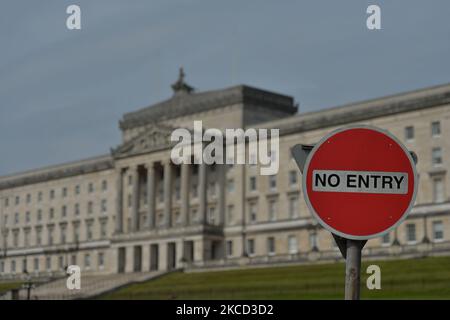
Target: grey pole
353,270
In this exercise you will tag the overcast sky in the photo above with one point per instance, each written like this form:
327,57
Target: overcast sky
63,92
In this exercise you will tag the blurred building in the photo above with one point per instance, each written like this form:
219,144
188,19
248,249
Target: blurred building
134,210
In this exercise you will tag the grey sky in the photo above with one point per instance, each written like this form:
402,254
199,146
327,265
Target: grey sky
63,92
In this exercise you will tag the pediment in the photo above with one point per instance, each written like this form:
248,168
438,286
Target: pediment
155,137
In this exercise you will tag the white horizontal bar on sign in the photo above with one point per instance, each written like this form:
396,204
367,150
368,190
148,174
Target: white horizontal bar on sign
360,181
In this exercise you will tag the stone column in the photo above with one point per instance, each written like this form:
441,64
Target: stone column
185,178
135,199
221,171
119,200
202,196
151,195
168,193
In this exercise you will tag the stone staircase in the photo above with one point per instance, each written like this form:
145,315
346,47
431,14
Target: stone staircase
91,286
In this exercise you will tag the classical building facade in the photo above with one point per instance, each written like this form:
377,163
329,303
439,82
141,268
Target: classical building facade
134,210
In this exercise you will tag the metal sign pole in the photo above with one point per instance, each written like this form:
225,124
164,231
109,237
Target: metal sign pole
351,251
353,270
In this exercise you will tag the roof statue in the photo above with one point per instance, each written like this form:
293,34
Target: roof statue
181,86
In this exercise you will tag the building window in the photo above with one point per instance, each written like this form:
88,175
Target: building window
51,213
251,247
24,265
273,183
230,213
293,207
73,260
194,215
39,215
229,248
90,207
293,178
230,185
16,239
271,245
292,244
27,237
17,200
103,229
16,218
5,219
76,233
27,217
411,233
313,243
87,261
436,129
77,190
101,260
252,211
409,133
50,236
52,194
438,190
61,262
436,156
38,237
13,266
2,266
48,263
64,192
63,234
104,185
91,187
252,183
89,231
64,211
6,202
77,209
28,198
438,231
36,264
104,206
386,240
40,197
272,210
212,215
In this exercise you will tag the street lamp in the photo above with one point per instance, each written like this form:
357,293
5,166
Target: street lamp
28,285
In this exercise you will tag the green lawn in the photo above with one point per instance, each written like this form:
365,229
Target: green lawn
6,286
427,278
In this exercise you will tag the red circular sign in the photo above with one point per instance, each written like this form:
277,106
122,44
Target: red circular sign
360,182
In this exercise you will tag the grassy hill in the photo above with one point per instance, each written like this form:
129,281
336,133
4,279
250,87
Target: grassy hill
6,286
427,278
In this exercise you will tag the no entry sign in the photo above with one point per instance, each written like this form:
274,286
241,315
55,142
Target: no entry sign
359,182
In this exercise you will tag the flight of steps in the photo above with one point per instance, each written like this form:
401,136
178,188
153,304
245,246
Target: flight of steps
91,285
